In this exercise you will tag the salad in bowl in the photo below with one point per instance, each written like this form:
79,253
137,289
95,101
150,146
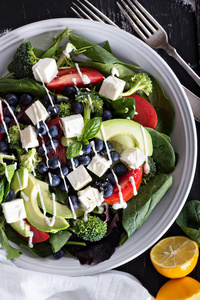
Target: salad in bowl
85,150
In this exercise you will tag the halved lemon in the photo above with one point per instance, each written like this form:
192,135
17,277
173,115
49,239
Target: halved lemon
185,288
175,257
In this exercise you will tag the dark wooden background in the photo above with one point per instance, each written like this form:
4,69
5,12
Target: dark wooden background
181,20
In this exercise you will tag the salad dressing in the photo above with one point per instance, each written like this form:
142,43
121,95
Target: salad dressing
30,240
86,80
3,122
131,178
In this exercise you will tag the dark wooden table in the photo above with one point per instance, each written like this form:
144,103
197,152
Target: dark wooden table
181,20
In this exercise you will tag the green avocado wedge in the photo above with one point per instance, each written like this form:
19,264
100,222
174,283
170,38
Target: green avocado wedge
61,209
34,214
19,180
124,133
17,227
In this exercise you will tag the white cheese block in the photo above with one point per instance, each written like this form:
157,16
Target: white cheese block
45,70
14,210
72,125
37,112
29,138
133,157
112,87
99,165
79,177
90,198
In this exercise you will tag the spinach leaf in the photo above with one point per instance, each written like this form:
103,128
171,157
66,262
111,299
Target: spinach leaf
105,69
11,251
94,51
123,107
189,220
29,85
107,47
140,206
163,152
74,149
163,107
59,239
40,249
3,182
51,52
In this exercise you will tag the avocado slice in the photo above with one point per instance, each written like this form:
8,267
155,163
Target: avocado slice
17,227
124,133
34,214
19,180
61,209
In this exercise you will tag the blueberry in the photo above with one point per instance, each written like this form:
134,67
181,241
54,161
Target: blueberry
43,150
120,169
46,101
7,120
59,254
74,200
69,163
42,167
87,149
53,130
99,144
98,185
41,129
104,150
26,99
3,146
115,156
54,162
52,179
12,99
77,107
107,189
70,91
10,196
53,110
84,160
54,141
2,129
64,169
62,185
111,179
7,111
107,115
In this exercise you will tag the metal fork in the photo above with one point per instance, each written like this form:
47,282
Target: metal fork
149,30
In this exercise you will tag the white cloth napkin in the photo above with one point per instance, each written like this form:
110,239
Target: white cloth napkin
20,284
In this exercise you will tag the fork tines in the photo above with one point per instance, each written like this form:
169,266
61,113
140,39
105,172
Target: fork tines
94,13
139,18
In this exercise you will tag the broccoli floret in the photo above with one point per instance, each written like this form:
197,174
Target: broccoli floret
91,103
30,160
141,82
152,173
23,61
65,109
15,139
91,230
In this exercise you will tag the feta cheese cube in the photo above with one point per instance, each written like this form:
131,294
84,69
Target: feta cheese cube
29,138
14,210
90,198
133,157
99,165
79,177
112,87
72,125
45,70
37,112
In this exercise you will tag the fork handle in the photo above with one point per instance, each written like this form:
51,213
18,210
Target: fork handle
172,52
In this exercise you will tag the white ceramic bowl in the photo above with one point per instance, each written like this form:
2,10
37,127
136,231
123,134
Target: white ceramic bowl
129,49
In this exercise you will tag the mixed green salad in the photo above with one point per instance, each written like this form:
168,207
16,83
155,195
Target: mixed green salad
85,152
